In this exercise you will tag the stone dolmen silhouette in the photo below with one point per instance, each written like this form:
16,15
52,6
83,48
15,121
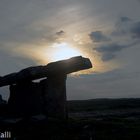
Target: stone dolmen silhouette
48,94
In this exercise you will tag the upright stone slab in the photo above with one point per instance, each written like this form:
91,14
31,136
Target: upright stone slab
54,93
25,99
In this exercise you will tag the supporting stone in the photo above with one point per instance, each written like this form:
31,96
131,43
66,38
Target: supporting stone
47,97
54,92
25,99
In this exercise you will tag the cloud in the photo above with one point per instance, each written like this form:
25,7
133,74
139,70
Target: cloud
108,56
135,30
109,51
125,34
26,32
98,36
60,33
127,26
28,21
112,48
122,26
60,36
11,62
125,19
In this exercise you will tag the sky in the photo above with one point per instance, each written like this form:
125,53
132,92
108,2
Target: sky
36,32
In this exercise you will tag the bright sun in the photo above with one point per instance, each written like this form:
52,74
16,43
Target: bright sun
64,51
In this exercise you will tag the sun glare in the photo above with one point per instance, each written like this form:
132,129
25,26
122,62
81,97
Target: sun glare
64,51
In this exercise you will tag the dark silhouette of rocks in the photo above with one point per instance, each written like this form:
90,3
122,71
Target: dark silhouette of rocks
52,69
3,106
48,96
54,95
2,101
25,99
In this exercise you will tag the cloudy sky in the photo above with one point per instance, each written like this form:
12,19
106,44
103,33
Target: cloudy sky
36,32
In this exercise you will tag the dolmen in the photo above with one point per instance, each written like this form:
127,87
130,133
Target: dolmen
41,89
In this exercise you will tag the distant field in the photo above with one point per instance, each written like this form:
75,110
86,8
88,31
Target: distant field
108,119
103,104
97,119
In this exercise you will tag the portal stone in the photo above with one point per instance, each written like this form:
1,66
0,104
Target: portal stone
54,94
25,99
